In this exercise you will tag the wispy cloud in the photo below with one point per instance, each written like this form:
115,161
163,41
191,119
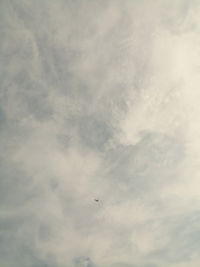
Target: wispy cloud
99,99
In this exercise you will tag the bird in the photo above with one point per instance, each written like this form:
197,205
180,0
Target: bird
97,200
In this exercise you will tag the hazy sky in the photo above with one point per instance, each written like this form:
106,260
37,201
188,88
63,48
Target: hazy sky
100,99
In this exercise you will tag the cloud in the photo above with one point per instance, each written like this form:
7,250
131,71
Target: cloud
99,100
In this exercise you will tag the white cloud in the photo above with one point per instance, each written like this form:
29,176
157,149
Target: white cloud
99,100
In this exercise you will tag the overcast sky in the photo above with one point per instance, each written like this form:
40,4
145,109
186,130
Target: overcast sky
99,99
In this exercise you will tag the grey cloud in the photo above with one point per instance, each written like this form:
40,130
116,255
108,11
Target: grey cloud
99,99
94,132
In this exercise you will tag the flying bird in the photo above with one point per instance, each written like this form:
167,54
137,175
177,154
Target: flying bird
97,200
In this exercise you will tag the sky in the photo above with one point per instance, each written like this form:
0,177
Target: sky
99,100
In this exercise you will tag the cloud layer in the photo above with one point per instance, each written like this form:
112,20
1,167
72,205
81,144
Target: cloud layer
99,99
